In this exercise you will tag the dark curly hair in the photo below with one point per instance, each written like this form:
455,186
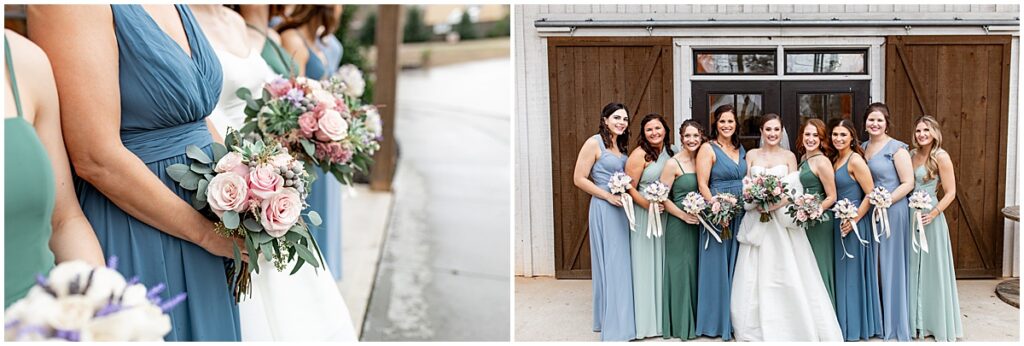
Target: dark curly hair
735,140
606,134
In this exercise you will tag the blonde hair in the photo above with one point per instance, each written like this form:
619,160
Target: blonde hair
931,165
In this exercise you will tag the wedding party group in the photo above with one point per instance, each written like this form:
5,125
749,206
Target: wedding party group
173,172
841,241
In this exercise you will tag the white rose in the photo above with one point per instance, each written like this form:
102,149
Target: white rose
323,96
372,120
353,79
75,313
332,126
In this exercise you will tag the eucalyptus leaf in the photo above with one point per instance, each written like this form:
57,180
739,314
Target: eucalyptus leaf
262,237
198,203
307,256
314,217
243,93
190,181
197,154
252,225
219,150
298,265
238,256
266,249
177,171
249,127
309,148
230,219
252,254
200,168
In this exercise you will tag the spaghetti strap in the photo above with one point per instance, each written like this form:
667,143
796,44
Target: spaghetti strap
277,49
679,164
10,75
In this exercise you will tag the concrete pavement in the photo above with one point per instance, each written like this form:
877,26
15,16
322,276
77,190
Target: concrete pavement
444,272
560,310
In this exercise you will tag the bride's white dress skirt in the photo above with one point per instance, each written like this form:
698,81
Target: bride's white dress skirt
777,292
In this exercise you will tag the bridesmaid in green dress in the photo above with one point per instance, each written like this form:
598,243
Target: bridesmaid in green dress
682,235
257,16
817,177
934,304
42,220
644,165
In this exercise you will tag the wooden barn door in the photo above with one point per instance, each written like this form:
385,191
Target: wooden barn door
963,81
585,74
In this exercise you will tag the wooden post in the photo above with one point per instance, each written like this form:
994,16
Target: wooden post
389,38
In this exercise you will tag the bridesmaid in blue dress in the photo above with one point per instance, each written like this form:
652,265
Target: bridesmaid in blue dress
721,166
325,197
892,169
130,107
601,156
858,307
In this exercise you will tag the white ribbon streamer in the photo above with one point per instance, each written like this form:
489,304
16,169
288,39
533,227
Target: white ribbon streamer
711,230
843,243
627,205
880,216
919,229
653,221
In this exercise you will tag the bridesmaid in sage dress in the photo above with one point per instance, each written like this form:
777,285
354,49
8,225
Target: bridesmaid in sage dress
718,172
858,306
122,142
647,252
256,18
609,238
682,236
817,177
325,196
934,303
891,168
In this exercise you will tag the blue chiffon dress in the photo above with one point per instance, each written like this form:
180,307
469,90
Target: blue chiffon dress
610,261
893,251
716,264
166,95
857,303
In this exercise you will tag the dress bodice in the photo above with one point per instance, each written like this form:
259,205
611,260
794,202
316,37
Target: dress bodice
883,169
846,187
812,184
165,92
926,186
606,165
726,173
249,72
652,172
776,170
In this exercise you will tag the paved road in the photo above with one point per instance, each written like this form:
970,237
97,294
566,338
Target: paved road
444,272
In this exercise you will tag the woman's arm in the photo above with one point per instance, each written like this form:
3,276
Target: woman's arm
635,170
293,45
581,174
862,174
72,237
91,123
947,178
823,169
905,171
705,160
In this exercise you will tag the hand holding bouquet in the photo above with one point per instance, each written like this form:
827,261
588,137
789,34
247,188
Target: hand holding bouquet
255,191
921,202
806,210
79,302
722,209
618,184
763,190
846,212
656,193
882,200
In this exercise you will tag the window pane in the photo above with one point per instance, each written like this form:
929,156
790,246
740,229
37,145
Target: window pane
825,62
827,107
749,108
725,62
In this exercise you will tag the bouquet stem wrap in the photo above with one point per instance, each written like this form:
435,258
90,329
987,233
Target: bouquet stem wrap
654,226
627,206
880,219
919,229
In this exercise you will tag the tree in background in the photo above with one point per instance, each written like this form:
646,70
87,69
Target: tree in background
465,27
415,30
502,28
369,32
355,47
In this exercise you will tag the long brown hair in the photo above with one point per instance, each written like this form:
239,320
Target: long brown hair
650,153
881,108
606,134
854,141
315,15
825,143
931,165
694,124
718,116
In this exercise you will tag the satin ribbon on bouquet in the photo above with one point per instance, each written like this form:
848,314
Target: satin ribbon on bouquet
919,229
654,226
880,219
856,233
711,230
627,205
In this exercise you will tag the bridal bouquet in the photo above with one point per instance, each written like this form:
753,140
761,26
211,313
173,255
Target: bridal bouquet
255,191
921,202
324,125
694,203
722,209
806,210
656,193
882,200
79,302
618,184
846,211
763,190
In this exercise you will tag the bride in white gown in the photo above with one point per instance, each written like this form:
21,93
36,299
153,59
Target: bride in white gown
777,292
306,306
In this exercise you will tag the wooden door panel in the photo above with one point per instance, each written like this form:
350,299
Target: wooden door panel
584,75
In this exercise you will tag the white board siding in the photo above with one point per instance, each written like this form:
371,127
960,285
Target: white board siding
534,226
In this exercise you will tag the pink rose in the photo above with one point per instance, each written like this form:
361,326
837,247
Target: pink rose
715,208
232,162
307,124
279,87
332,126
264,181
281,160
227,191
280,212
777,190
